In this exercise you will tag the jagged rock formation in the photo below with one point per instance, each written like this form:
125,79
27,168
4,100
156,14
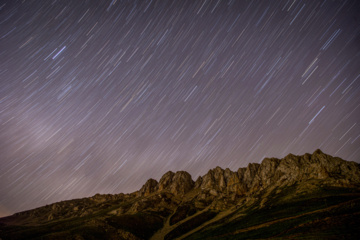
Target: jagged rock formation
272,172
176,205
282,172
178,183
149,187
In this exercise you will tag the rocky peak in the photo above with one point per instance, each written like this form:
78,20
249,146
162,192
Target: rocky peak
149,187
220,180
281,172
218,189
214,179
292,169
178,183
318,152
181,183
256,177
166,180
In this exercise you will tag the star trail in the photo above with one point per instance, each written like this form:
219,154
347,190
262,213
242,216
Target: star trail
99,96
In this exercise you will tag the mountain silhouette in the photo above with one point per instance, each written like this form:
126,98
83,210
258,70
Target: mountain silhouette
312,196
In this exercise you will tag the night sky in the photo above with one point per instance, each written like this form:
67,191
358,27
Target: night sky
99,96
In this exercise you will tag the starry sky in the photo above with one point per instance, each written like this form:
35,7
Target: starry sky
99,96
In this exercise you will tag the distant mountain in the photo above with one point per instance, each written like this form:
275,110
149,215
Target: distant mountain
313,196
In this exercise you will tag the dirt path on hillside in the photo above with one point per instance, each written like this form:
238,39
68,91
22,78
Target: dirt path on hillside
216,218
160,235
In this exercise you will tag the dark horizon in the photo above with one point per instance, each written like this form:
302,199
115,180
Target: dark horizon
99,97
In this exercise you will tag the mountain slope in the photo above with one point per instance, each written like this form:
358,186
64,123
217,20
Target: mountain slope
309,196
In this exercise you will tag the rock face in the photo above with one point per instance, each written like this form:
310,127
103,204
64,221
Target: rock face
281,172
178,183
292,169
166,180
218,184
177,197
149,187
256,177
181,183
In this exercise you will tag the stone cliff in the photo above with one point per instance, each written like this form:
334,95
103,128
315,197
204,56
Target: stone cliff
257,177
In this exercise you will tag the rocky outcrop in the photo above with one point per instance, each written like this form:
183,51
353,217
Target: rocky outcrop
214,179
149,187
166,180
293,169
281,172
177,196
178,183
181,183
218,186
257,177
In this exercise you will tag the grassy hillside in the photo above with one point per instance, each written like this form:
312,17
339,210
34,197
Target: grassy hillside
321,215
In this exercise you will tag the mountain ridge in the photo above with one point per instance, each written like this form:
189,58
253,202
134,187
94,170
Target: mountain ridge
264,173
177,205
